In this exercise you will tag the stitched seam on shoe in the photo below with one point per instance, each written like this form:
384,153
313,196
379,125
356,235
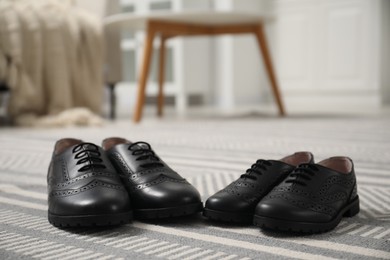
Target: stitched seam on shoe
119,159
84,176
91,185
64,169
159,180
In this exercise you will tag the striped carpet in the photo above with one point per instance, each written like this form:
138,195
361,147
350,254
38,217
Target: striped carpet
210,154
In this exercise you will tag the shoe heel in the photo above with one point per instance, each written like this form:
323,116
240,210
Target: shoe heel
354,208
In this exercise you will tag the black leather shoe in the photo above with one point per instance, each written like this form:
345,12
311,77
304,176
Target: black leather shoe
312,199
237,202
84,188
156,191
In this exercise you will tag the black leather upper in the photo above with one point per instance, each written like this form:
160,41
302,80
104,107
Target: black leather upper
82,181
311,193
242,195
150,182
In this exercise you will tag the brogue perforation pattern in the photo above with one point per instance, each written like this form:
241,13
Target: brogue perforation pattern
291,189
64,170
84,176
89,186
347,182
314,206
253,197
157,181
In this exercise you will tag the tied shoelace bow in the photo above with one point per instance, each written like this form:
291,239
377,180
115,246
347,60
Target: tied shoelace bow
302,174
145,152
257,168
88,153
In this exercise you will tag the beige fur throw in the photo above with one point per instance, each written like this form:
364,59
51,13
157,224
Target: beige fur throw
51,58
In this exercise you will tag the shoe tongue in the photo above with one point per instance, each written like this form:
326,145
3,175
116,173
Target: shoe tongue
139,147
89,146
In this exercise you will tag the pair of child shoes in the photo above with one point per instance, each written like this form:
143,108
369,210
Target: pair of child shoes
89,185
292,194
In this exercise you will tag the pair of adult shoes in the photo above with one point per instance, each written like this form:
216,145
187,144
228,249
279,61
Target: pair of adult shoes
291,194
90,185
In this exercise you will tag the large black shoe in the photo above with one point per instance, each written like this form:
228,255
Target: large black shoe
237,202
84,188
156,191
312,199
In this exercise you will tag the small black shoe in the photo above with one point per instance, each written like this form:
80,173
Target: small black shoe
156,191
84,188
237,202
312,199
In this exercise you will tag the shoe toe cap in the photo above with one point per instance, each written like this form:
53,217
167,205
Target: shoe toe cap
166,195
283,210
223,201
92,202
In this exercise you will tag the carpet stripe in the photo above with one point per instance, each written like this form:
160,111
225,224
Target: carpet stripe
143,243
216,255
372,231
172,251
81,254
383,234
93,256
63,255
134,242
109,237
120,239
179,255
317,243
231,242
359,230
146,248
20,243
46,249
163,248
54,252
23,203
376,202
229,257
122,245
347,228
200,254
24,246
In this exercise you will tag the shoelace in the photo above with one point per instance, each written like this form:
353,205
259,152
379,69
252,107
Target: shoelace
302,174
145,152
257,168
88,153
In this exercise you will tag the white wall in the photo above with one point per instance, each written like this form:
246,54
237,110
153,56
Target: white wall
329,55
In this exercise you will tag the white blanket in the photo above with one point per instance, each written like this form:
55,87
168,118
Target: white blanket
51,57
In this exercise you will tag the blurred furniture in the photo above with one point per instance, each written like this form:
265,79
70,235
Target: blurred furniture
50,59
4,91
169,25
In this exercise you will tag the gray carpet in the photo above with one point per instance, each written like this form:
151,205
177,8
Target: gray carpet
210,154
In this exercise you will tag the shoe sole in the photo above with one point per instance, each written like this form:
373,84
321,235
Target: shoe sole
90,220
307,227
227,216
159,213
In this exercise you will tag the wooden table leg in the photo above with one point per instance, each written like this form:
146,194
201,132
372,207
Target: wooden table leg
261,39
144,72
161,76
